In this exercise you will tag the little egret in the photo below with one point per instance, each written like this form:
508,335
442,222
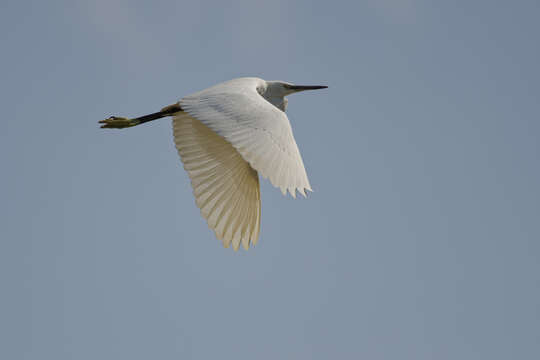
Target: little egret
226,135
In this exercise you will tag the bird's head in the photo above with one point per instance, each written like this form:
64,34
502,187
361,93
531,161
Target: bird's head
276,91
282,88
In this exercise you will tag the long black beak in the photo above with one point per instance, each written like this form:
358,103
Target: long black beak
307,87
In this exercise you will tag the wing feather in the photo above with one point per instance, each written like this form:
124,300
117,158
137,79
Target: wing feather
225,186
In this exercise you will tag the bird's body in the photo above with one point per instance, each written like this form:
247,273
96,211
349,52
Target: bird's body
226,135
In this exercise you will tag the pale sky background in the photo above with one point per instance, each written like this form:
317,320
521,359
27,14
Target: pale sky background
420,241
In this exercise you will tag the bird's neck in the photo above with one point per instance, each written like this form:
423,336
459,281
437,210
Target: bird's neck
278,101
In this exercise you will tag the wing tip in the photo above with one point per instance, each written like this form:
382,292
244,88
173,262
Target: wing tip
304,191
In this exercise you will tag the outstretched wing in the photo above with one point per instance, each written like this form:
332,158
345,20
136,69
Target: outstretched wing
225,187
259,131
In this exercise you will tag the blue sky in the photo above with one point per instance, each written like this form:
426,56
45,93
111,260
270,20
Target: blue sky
420,240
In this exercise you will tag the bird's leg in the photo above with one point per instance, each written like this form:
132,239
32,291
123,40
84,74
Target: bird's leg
116,122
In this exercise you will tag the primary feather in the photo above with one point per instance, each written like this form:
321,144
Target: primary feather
225,187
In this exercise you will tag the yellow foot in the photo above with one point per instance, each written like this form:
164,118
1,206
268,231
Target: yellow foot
115,122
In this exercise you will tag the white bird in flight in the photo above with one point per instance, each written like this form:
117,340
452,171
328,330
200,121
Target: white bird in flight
225,136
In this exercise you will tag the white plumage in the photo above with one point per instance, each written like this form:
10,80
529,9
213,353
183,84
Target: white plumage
225,187
225,135
257,129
